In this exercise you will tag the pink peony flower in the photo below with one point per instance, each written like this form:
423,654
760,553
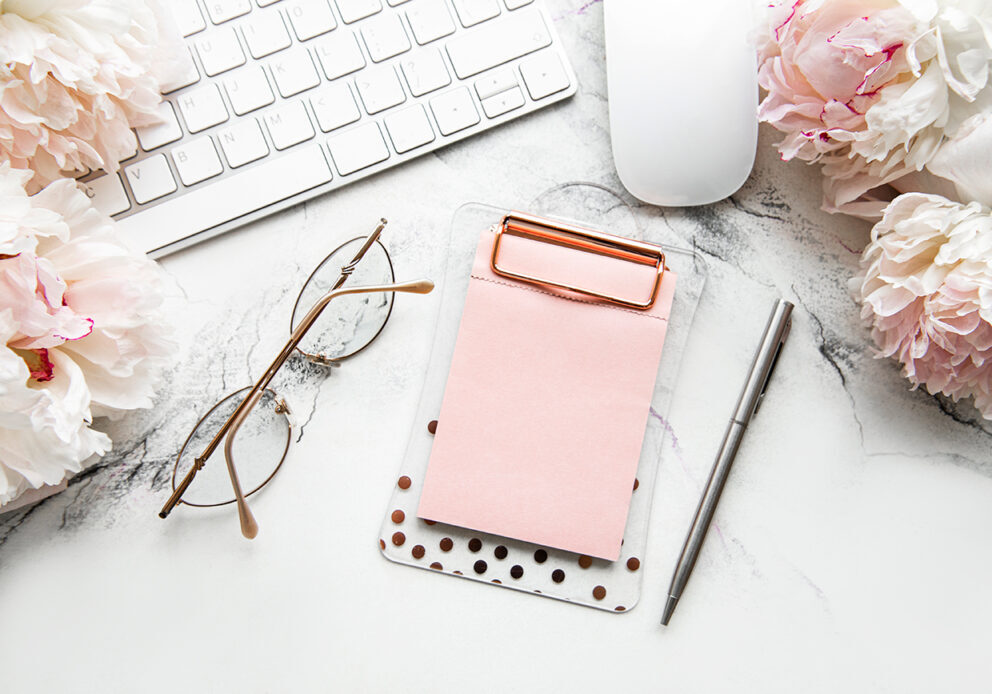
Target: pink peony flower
80,331
76,76
873,90
926,293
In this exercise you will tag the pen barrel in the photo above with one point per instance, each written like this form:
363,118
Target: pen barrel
707,506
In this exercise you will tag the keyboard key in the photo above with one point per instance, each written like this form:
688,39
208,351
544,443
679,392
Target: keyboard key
454,111
334,106
228,198
409,128
385,37
543,74
310,18
357,148
497,42
248,89
266,3
221,11
503,102
494,82
202,108
188,17
353,10
429,20
196,160
394,3
152,136
265,34
107,193
289,125
379,88
339,55
425,71
294,72
242,142
187,76
516,4
220,51
472,12
150,179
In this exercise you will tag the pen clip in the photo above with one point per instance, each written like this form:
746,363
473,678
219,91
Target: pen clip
778,351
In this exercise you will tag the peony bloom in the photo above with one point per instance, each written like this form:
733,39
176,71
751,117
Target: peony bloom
80,331
926,293
873,90
76,76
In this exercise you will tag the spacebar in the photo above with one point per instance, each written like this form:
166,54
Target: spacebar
212,204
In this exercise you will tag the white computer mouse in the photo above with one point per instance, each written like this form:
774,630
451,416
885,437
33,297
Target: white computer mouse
683,97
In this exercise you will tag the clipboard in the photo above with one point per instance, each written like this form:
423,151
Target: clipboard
529,566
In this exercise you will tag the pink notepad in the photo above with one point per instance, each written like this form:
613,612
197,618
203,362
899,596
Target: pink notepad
546,403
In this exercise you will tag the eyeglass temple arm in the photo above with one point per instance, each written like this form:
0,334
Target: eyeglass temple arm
248,526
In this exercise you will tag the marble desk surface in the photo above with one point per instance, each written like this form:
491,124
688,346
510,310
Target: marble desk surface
851,549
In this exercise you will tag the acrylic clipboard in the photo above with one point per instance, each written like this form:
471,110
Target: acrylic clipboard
406,539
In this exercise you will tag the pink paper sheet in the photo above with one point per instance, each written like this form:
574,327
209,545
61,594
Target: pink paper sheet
547,400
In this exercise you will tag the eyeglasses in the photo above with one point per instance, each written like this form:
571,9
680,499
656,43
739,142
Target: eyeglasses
255,423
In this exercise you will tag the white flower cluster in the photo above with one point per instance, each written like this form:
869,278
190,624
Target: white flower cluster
80,331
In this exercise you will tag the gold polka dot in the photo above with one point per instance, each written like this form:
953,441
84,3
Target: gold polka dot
432,426
459,573
637,483
382,544
585,562
619,608
418,551
398,516
403,482
437,566
399,539
446,544
429,522
599,592
633,563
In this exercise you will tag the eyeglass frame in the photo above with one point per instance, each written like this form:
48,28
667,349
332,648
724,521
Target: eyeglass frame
228,430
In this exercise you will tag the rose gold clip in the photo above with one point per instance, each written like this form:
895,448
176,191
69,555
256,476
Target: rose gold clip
531,227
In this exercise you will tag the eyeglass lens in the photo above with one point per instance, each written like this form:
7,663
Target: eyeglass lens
259,449
351,322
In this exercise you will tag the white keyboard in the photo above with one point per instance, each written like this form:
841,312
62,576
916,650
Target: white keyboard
284,100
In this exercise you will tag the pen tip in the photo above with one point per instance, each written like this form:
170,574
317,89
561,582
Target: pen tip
669,609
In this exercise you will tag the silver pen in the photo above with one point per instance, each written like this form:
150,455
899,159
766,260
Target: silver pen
765,358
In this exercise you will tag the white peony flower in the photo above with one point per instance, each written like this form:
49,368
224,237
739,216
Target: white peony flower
926,293
76,76
874,90
80,331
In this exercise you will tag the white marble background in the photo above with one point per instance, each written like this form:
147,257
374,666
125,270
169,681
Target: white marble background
851,550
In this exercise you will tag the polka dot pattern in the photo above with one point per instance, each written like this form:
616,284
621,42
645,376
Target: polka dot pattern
432,426
577,578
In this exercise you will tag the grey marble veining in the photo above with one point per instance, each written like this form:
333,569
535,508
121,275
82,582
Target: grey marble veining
852,497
